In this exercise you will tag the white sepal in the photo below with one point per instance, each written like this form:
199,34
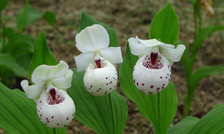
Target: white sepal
58,114
100,81
92,38
151,81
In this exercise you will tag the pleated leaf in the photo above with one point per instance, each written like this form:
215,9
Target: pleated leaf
165,26
183,126
211,123
202,72
18,114
42,54
9,62
104,114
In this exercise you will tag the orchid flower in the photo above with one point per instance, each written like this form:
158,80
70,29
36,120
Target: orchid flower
55,107
97,59
152,72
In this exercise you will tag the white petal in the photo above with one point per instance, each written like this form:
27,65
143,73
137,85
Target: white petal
55,115
100,81
45,72
63,82
92,38
32,91
83,60
173,54
151,81
112,54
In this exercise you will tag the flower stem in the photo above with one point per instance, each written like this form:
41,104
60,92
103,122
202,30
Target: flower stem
54,131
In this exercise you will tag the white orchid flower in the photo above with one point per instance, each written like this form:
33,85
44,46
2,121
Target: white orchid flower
55,107
97,59
152,71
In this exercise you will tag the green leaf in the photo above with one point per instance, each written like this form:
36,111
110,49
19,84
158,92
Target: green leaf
29,39
10,33
88,21
26,16
165,26
18,114
211,123
3,4
9,62
49,17
202,72
104,114
42,54
24,60
17,48
203,34
195,2
183,126
160,108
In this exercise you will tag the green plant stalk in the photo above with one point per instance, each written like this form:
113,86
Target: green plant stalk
3,27
158,109
190,92
54,131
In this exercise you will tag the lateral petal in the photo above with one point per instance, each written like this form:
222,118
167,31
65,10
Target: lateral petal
83,60
32,91
63,82
112,54
173,54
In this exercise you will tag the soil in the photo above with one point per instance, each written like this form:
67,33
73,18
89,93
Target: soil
130,18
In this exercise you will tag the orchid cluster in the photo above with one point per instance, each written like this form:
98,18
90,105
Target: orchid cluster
151,73
55,107
97,60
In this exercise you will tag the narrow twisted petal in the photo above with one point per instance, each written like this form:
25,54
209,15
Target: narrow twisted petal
32,91
55,112
92,38
151,79
45,72
112,54
173,54
63,82
100,81
83,60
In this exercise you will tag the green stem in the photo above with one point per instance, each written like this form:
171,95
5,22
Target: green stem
158,113
3,27
54,131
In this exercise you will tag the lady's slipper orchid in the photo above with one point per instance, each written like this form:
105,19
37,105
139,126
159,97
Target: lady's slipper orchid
152,71
55,107
96,58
